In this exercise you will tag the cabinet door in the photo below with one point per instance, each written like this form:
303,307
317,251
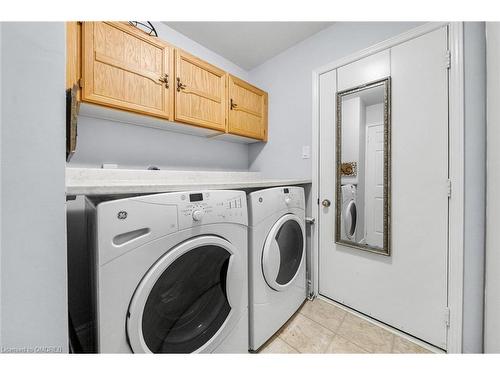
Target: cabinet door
126,69
247,115
200,97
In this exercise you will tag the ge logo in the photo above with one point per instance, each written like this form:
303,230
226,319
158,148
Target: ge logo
122,215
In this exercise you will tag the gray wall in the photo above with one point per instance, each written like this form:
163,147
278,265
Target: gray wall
33,243
492,297
475,184
102,141
131,146
288,79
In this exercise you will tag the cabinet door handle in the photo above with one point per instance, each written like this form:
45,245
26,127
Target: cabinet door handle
164,80
233,104
180,86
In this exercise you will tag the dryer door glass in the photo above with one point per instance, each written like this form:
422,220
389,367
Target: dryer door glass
350,219
291,245
188,303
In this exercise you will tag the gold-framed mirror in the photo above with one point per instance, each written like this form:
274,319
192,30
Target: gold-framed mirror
363,167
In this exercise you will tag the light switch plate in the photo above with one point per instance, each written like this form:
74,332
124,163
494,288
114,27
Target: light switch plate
306,152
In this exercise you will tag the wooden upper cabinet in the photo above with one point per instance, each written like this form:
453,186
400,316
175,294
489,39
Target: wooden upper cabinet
247,111
120,66
200,92
125,68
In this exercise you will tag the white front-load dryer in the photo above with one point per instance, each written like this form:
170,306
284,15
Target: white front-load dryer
277,252
171,273
349,213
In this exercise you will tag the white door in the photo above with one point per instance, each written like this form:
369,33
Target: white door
407,290
374,185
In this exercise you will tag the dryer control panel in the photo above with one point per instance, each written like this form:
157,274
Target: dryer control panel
263,203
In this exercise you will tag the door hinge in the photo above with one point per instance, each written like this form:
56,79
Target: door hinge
318,202
447,316
80,83
448,187
447,59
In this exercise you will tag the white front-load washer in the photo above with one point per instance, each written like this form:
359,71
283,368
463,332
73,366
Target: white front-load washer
171,273
349,214
277,252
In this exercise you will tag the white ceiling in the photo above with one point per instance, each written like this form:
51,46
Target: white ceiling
248,44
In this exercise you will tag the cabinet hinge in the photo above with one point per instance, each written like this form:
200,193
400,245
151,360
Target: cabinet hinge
318,201
448,187
447,316
447,59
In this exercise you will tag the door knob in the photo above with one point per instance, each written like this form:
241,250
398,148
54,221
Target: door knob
326,203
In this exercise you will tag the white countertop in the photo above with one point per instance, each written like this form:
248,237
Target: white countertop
96,181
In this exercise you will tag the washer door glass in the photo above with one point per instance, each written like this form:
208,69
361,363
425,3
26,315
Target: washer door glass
283,252
188,303
350,219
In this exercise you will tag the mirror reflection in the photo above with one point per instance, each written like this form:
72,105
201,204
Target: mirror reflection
363,140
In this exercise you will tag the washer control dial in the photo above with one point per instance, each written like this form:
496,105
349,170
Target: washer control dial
198,213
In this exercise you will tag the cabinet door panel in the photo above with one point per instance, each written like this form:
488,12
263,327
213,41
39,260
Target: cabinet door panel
200,92
125,69
247,110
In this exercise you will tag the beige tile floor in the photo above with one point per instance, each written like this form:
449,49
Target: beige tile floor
322,327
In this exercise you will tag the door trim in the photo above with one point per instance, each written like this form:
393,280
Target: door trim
456,241
456,165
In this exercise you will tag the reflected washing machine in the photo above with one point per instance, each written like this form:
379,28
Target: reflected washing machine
349,214
171,273
277,265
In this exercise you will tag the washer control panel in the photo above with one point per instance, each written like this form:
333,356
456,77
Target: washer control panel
207,207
